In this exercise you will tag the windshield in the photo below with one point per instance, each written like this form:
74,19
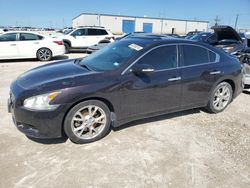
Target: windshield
200,36
114,55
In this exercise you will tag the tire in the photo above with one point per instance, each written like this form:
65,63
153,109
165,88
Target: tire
221,97
87,122
67,47
44,54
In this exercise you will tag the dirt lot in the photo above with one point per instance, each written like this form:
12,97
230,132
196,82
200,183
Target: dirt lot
187,149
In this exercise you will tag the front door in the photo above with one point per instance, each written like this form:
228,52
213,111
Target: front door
156,92
79,38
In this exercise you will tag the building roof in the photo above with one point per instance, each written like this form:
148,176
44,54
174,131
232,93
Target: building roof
140,17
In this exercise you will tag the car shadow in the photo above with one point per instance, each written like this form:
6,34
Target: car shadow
124,126
49,141
157,118
61,57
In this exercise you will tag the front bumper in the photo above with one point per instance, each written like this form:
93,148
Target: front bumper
38,124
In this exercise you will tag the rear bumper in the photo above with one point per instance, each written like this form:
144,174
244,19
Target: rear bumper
59,50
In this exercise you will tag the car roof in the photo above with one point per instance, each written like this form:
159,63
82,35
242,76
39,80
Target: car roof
24,32
91,27
162,39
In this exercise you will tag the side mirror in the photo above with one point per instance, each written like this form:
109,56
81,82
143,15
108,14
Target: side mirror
143,69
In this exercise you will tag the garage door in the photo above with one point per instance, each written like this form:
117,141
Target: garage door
128,26
147,27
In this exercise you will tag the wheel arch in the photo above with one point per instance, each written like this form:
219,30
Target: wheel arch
225,79
105,101
231,82
67,41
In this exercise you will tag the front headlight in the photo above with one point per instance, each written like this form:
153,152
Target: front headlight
41,102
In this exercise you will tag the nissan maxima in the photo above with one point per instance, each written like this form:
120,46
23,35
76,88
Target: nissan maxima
134,78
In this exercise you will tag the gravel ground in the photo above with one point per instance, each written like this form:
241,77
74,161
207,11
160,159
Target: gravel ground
185,149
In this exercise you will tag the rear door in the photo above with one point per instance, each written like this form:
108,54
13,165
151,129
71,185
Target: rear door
8,46
94,36
28,44
200,69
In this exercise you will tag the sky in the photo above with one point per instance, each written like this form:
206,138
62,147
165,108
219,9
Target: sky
58,14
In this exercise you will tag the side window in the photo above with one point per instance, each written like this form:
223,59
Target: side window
194,55
79,32
161,58
212,56
8,37
102,32
29,36
93,32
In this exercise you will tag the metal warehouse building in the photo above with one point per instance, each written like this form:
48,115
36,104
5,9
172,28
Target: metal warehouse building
119,24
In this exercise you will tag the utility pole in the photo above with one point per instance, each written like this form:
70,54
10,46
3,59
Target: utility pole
217,20
236,21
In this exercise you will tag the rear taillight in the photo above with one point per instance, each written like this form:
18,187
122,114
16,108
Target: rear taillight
59,42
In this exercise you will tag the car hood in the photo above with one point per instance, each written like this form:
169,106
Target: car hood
226,33
59,73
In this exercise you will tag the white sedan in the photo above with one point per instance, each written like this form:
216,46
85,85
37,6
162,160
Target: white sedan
20,44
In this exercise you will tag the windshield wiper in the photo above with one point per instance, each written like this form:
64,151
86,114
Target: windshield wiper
77,61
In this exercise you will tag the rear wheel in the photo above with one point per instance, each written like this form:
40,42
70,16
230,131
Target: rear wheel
220,98
87,122
67,47
44,54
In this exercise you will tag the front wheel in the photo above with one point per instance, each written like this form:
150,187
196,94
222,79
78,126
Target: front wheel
221,97
87,122
44,54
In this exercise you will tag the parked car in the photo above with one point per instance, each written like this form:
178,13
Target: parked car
224,37
247,39
105,42
3,30
100,45
191,33
134,78
21,44
83,37
173,35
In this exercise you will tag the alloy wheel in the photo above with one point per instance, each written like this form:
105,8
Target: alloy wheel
88,122
44,54
222,97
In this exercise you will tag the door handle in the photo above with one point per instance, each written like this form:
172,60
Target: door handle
36,42
12,44
215,72
174,79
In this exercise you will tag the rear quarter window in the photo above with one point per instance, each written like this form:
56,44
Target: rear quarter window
102,32
212,56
